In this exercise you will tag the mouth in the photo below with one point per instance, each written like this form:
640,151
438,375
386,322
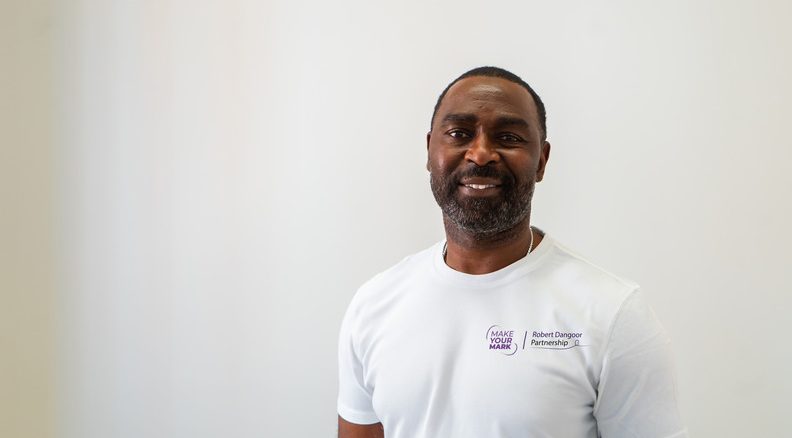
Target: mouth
480,182
480,186
479,189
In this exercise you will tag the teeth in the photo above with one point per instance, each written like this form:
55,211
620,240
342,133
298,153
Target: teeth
479,186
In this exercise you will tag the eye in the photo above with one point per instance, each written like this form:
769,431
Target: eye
509,137
458,134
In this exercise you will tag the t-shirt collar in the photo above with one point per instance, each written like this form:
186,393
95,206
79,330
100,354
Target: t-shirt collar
492,279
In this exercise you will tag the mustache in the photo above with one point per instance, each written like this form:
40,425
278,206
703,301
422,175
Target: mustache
485,172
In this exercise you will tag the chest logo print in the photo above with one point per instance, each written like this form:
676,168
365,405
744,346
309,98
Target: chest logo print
509,342
503,340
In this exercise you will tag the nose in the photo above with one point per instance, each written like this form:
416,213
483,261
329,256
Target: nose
482,151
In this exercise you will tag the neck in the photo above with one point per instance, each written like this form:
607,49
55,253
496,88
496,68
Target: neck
484,253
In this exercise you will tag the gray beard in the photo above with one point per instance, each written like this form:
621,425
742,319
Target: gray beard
483,216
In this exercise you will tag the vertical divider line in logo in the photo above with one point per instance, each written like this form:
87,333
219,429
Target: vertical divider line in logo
525,337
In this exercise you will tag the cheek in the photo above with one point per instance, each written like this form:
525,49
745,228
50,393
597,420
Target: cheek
442,163
523,168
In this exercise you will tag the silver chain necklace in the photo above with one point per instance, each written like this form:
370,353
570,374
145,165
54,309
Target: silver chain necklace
530,246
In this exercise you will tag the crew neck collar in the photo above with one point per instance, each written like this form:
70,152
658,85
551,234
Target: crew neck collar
492,279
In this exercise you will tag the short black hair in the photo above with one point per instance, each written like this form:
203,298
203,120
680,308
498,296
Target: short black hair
497,72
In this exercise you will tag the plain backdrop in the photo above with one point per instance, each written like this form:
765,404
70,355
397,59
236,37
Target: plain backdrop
222,176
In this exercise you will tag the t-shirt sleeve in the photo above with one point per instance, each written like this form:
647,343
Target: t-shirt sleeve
636,396
354,397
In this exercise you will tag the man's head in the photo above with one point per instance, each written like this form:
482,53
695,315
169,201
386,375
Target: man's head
497,72
486,150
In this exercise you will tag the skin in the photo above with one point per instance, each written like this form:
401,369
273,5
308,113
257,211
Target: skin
352,430
517,148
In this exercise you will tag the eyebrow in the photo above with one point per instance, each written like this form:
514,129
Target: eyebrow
460,118
471,118
511,121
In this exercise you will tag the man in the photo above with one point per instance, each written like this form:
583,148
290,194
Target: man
499,331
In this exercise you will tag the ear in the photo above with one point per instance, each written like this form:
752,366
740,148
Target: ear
544,155
428,139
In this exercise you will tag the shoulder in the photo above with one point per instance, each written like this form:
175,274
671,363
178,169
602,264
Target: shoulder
587,293
587,278
382,286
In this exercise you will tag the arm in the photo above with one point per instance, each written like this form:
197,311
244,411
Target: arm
636,396
354,395
352,430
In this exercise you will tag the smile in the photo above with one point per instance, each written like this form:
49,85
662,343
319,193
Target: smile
480,186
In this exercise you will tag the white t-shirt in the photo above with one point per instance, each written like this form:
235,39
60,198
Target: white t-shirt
549,346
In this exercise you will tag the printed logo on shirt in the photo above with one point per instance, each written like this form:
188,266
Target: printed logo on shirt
503,340
555,340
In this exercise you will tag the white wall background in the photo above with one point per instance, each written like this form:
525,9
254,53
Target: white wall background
230,172
27,219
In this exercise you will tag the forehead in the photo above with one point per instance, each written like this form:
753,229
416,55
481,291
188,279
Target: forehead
487,96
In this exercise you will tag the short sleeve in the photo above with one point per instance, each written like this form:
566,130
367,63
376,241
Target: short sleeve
636,395
354,398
